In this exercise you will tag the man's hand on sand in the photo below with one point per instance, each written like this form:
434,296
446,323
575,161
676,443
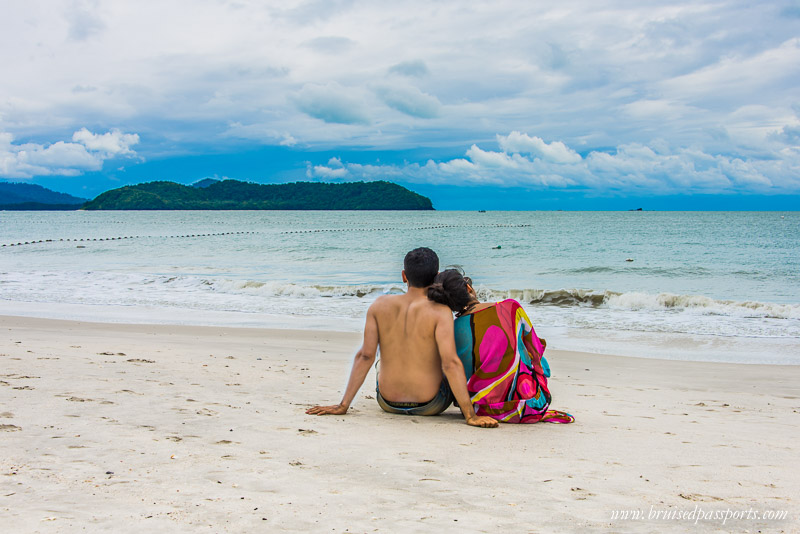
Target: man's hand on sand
327,410
482,421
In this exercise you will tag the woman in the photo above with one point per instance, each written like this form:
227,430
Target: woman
502,355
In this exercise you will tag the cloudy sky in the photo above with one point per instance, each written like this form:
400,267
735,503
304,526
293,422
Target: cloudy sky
518,104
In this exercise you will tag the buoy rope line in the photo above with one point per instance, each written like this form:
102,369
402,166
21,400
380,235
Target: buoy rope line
437,227
92,239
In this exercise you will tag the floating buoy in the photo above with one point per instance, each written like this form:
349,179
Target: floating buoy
629,259
498,247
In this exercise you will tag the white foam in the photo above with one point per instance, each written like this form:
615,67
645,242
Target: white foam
701,304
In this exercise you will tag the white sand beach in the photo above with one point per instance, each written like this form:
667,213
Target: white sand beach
131,428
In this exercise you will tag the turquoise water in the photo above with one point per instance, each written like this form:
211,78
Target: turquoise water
724,275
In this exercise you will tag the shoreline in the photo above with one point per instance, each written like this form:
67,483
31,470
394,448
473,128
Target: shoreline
190,428
628,343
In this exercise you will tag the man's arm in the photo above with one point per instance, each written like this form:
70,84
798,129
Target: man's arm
362,362
454,370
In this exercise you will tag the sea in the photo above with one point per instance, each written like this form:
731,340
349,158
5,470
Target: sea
705,286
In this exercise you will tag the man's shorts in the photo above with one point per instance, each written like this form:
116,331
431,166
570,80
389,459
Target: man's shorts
435,406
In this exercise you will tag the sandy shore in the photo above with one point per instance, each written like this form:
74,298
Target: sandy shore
108,427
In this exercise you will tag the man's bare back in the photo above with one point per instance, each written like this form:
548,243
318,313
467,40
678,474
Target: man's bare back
410,366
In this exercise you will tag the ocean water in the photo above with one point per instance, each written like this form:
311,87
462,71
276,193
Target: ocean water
718,286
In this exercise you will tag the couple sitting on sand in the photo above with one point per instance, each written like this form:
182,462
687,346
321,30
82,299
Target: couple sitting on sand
489,360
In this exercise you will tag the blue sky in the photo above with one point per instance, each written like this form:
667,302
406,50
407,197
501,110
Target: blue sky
503,104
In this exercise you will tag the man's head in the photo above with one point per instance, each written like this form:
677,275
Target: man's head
420,267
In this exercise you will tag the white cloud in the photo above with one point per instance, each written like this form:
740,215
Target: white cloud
633,168
415,68
83,20
288,140
331,103
410,100
87,152
321,171
789,135
557,151
331,44
111,143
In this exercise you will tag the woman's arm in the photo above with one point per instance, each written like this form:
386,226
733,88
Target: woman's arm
454,370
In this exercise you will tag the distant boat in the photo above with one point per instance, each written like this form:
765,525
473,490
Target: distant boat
637,209
481,211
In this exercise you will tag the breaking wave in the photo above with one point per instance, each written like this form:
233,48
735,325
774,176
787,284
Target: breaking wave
645,301
565,298
281,289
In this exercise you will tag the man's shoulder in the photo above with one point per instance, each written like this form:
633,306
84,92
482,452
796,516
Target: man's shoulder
401,301
385,302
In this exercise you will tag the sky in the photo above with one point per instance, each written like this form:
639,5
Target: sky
479,105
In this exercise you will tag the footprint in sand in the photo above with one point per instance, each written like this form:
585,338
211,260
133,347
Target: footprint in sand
582,494
698,497
206,411
9,428
78,399
140,360
7,414
20,377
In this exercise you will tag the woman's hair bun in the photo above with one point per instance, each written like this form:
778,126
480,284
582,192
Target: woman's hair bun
450,288
437,293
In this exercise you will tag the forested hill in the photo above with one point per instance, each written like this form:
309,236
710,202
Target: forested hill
17,196
236,195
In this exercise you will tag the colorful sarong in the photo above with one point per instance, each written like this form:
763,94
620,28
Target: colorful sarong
505,366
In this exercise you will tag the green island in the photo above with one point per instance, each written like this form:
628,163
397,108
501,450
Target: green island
236,195
210,194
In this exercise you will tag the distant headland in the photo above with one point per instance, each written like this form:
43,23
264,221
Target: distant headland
235,195
31,197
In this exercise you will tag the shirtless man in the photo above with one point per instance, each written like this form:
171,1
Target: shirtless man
418,351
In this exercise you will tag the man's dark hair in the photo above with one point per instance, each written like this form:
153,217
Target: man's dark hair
421,266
